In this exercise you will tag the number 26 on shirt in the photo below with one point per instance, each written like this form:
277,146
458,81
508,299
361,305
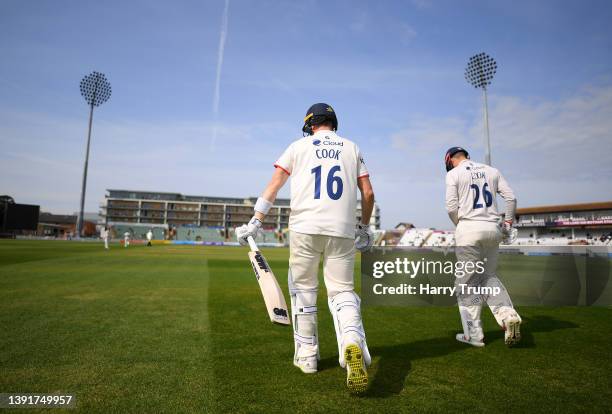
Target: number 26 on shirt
486,194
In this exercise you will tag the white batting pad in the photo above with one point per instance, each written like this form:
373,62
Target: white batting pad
345,310
470,321
304,315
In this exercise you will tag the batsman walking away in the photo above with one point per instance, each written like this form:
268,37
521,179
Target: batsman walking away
326,173
471,190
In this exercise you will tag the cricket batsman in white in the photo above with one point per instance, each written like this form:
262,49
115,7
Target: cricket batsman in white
471,191
105,234
126,239
326,171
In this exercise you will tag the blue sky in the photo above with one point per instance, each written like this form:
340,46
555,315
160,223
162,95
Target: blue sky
393,70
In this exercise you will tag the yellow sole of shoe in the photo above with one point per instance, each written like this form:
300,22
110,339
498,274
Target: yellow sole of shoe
356,374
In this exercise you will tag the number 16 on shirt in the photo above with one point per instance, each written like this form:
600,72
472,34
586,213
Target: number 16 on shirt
331,180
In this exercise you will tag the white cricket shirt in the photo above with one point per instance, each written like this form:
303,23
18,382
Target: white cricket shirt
472,188
324,169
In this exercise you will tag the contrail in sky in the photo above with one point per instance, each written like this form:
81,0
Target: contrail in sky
220,54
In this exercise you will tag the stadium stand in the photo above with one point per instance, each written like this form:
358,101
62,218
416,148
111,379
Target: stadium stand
440,238
194,233
196,218
415,237
390,237
269,236
576,224
137,231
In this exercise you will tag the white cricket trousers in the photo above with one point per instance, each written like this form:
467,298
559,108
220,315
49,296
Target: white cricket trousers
479,241
305,253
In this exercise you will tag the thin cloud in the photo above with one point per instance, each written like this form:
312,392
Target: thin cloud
577,128
220,55
47,153
406,33
571,136
551,151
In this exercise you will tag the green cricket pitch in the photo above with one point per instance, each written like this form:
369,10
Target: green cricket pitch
184,329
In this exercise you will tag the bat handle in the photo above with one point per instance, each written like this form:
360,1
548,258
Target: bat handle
252,244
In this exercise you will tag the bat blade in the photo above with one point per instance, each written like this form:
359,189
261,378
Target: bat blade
270,289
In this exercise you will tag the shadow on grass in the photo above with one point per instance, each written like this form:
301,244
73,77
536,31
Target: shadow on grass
395,361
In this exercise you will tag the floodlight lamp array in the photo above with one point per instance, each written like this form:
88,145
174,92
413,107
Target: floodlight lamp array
480,70
95,88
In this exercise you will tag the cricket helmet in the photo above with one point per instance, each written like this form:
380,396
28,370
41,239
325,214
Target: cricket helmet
450,153
318,114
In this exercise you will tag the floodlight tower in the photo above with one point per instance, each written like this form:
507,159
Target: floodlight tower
96,90
479,72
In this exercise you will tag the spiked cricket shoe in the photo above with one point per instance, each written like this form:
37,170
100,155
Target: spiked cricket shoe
308,365
512,328
471,341
356,373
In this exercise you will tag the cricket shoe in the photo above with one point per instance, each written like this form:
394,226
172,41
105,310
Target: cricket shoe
308,365
512,328
356,373
469,340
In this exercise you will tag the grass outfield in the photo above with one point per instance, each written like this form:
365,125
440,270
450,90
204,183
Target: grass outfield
184,329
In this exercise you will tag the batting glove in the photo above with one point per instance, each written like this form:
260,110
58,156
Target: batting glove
248,230
509,232
364,238
507,226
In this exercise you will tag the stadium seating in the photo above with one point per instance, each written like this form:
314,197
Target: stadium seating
440,238
389,238
194,233
264,236
415,237
137,231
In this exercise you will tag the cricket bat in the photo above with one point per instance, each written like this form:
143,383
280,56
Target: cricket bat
271,291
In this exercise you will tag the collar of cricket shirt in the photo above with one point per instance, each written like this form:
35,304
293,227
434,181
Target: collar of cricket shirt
324,132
